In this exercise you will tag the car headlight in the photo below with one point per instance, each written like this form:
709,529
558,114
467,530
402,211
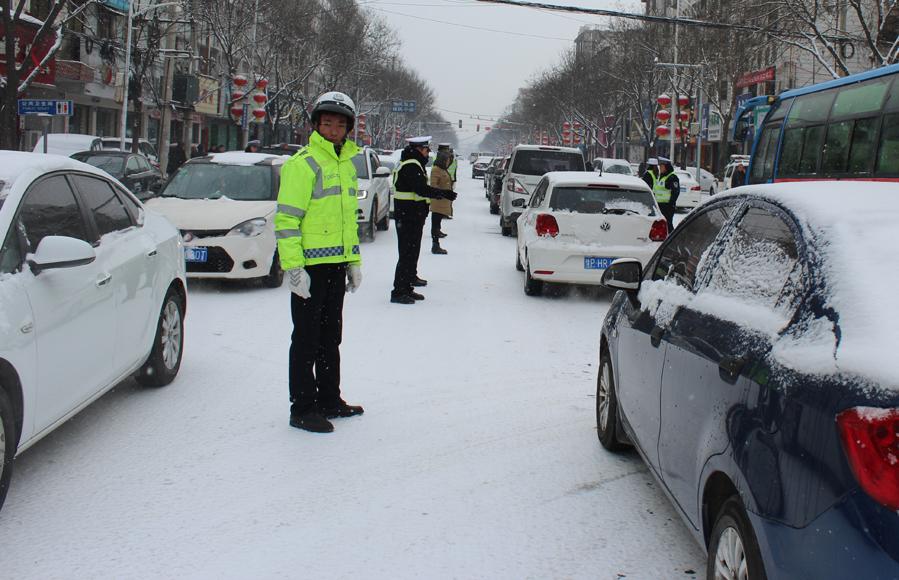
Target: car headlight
249,228
362,194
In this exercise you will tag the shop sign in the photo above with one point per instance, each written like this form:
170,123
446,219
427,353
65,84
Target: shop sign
208,96
25,33
755,77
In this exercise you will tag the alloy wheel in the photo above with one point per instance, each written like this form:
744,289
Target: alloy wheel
730,558
171,335
603,397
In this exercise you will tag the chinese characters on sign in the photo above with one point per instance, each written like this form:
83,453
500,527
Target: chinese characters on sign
402,106
24,38
45,107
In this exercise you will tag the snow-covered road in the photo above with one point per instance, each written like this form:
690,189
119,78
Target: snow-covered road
477,455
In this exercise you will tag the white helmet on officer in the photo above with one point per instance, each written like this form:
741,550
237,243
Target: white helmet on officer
334,102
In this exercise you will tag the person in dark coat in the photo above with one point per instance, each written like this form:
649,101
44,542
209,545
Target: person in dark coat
410,206
252,146
176,158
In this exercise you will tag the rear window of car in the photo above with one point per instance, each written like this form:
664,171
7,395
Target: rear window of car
617,168
111,164
214,180
538,162
602,200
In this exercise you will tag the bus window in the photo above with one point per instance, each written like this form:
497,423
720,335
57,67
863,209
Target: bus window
893,98
836,148
811,108
864,141
763,161
813,141
867,97
790,152
888,158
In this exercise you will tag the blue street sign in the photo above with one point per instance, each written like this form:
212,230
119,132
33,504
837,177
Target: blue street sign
244,121
402,106
741,99
704,122
46,107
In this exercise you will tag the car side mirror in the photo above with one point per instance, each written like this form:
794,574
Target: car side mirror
60,252
518,202
624,274
382,172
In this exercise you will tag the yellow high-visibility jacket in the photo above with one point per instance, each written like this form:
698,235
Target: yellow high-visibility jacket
316,218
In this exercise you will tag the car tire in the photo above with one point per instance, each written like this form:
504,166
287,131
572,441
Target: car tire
518,265
275,276
8,443
733,544
503,228
532,287
164,361
607,404
494,209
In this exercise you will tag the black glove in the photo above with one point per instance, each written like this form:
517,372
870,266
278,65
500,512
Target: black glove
448,194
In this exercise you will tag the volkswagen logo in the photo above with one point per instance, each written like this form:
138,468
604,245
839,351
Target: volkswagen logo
606,226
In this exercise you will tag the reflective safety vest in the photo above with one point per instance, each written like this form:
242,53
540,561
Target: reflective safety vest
660,188
315,222
452,169
407,195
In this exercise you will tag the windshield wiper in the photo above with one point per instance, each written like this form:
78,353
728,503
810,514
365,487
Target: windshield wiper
619,211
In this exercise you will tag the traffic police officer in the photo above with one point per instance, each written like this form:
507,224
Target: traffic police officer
410,210
318,245
666,189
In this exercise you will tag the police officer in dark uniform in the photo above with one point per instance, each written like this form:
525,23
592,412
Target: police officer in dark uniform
410,210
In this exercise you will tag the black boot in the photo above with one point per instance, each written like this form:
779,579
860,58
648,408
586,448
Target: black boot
416,296
441,235
342,409
311,422
418,282
436,249
402,299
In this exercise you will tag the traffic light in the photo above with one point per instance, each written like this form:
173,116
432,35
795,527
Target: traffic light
460,123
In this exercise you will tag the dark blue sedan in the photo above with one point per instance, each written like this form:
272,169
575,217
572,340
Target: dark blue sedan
753,364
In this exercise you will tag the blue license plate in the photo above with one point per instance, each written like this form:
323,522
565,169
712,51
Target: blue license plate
594,263
195,254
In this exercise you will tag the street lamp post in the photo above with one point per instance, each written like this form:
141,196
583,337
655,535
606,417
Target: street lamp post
127,73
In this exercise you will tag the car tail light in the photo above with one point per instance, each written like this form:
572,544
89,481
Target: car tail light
695,188
547,225
659,231
871,442
514,186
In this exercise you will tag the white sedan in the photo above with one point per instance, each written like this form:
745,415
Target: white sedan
92,290
690,190
373,195
577,223
224,204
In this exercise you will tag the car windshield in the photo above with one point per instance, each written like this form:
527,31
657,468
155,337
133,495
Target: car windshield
360,165
616,168
602,200
111,164
531,162
214,180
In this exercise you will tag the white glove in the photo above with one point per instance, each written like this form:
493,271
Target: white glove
298,280
353,277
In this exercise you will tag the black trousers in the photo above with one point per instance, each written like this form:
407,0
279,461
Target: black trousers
668,213
436,220
410,217
315,343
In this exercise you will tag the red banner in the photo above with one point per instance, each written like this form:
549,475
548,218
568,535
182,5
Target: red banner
25,32
755,77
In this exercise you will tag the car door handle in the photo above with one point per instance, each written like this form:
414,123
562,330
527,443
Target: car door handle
655,337
103,279
729,367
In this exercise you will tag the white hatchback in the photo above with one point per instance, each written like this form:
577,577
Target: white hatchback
577,224
373,194
224,204
92,290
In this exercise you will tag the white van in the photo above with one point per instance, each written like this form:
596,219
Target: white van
527,166
67,143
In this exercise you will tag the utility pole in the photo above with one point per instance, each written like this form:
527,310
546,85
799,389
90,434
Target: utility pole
165,120
674,82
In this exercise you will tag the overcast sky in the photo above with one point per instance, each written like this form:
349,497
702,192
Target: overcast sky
477,55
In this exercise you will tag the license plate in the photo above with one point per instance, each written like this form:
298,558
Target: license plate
594,263
195,254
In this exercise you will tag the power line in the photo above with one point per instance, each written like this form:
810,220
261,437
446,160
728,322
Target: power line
473,27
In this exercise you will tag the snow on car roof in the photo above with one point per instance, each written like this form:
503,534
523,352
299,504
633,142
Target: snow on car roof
557,178
242,158
15,165
851,224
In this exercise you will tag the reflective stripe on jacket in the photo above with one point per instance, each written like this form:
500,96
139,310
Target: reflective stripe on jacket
660,188
452,169
315,222
407,195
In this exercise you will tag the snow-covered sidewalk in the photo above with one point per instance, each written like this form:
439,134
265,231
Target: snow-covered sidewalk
477,455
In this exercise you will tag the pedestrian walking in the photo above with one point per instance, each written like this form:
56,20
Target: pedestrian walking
440,208
318,245
666,189
177,157
410,210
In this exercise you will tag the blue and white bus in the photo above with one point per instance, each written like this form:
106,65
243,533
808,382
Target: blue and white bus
846,128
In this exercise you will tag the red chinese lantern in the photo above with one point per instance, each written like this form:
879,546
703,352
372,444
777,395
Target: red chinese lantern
259,114
678,132
239,80
663,115
662,130
237,112
237,95
566,126
577,126
259,98
683,116
261,83
663,100
683,100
